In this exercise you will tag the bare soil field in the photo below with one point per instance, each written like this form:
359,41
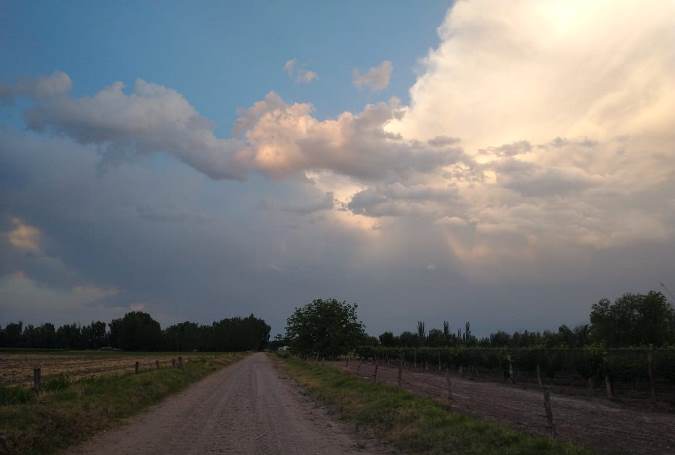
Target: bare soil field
599,424
16,367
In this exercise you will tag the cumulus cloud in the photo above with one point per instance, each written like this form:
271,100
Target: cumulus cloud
298,72
535,70
281,139
563,107
375,79
534,127
272,137
151,118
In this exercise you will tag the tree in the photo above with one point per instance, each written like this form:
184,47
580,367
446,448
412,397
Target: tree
185,336
633,320
436,338
136,331
70,336
421,332
94,335
409,339
13,334
388,339
239,334
326,327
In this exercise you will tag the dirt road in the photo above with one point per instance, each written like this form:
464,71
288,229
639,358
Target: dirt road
246,408
599,424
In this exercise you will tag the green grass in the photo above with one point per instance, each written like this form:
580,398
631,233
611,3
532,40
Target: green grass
411,423
66,413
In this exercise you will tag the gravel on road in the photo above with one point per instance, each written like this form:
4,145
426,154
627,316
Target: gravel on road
245,408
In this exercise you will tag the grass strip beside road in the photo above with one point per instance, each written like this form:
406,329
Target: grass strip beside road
415,424
67,413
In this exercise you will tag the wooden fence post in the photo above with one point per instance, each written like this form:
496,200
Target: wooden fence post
415,358
590,386
400,370
541,384
173,363
375,373
157,364
549,411
439,361
449,382
650,371
347,362
608,380
608,387
37,379
136,367
511,375
180,362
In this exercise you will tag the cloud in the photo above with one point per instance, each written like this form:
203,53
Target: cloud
534,70
23,236
23,298
284,139
327,202
537,152
298,72
513,149
152,118
568,129
375,79
271,137
55,85
402,200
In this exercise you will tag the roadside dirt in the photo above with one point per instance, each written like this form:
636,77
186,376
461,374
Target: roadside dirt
594,423
246,408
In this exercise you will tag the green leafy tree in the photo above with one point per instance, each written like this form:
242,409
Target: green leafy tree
633,320
326,327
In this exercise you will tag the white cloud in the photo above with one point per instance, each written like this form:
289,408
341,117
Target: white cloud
537,69
151,118
563,112
284,139
563,105
298,72
289,66
271,137
376,78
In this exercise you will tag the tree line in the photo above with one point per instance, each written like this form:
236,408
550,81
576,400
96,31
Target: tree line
138,331
631,320
329,328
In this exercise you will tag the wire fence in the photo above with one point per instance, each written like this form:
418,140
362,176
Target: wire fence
34,372
636,372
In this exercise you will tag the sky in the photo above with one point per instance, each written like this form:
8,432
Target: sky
504,163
